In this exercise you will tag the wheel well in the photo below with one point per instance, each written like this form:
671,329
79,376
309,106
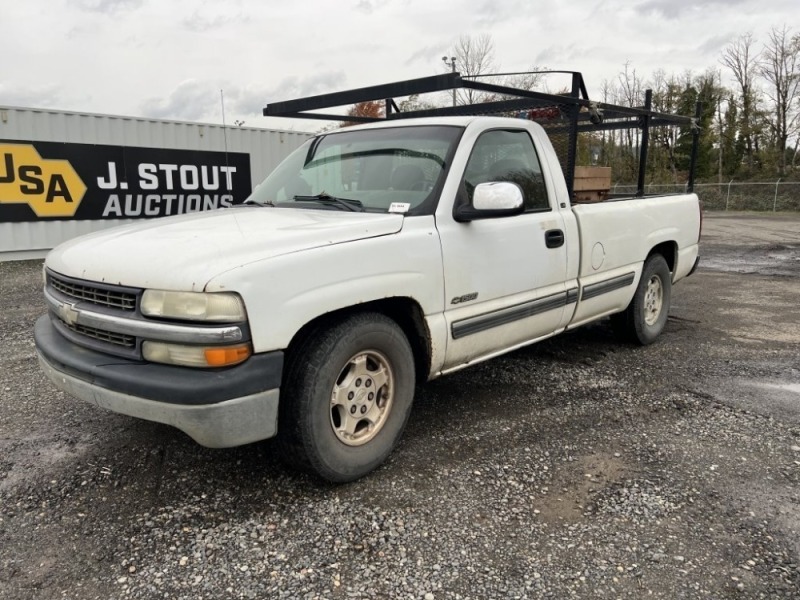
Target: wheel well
404,311
669,251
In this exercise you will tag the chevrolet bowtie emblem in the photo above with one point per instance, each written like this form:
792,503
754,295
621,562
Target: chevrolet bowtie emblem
68,313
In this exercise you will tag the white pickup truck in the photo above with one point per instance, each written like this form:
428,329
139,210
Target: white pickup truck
373,258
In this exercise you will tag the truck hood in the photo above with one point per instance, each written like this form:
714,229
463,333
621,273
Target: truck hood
184,252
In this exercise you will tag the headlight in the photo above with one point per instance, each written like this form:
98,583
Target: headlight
193,306
195,356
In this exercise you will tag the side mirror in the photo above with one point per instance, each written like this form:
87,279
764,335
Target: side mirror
491,200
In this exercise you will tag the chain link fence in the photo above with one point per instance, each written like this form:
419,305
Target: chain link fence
733,195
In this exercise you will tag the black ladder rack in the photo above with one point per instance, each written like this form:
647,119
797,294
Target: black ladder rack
561,114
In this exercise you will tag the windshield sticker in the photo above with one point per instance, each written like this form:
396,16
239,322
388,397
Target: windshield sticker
399,207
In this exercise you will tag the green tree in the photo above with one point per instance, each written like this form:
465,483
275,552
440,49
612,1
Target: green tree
704,89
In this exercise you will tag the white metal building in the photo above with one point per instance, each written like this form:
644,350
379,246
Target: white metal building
48,157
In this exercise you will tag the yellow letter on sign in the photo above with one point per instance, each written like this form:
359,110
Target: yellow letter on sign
50,187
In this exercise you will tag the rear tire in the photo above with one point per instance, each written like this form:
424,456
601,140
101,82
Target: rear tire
346,397
646,316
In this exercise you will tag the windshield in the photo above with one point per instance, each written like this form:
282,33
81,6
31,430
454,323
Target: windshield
372,169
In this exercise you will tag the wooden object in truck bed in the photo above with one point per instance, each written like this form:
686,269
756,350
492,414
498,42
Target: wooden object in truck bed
592,184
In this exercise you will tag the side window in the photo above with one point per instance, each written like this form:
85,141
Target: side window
508,155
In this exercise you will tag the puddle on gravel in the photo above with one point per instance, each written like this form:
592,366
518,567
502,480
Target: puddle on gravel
774,394
776,398
781,260
792,387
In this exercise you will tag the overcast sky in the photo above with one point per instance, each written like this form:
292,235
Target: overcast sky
170,58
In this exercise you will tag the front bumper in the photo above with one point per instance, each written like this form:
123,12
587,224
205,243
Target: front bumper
218,408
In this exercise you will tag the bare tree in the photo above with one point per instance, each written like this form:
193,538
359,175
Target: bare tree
415,103
630,86
742,60
607,152
630,93
474,56
531,79
780,66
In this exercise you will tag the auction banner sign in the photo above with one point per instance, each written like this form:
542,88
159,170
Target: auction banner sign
50,180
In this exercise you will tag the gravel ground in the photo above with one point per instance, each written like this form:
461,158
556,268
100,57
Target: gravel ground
576,468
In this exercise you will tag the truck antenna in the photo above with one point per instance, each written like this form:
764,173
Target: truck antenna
224,128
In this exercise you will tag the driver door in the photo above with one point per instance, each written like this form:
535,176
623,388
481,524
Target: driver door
504,277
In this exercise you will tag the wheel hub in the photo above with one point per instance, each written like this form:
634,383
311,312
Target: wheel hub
653,300
362,398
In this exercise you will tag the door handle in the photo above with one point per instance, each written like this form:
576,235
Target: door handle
554,238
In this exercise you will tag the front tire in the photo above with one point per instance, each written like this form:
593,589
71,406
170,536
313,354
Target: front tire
646,316
346,397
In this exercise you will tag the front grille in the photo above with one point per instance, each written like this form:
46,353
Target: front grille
110,337
96,295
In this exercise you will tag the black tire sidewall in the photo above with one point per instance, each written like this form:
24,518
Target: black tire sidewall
647,334
330,457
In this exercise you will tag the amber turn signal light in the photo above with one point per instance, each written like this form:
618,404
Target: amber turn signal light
227,356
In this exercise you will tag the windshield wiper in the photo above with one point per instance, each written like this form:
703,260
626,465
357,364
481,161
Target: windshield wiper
251,203
326,198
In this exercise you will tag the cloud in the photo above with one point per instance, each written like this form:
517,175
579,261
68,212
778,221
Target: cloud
299,87
556,55
250,101
198,100
491,13
34,97
202,23
191,100
370,6
426,53
714,44
108,7
674,9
